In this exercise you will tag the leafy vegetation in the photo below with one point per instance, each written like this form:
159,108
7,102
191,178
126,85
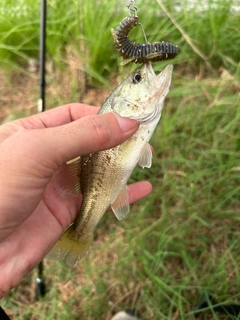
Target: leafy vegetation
208,36
183,240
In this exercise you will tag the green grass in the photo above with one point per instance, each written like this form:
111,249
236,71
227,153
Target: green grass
208,38
183,240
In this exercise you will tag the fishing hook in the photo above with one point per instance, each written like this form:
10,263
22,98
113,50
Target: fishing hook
132,8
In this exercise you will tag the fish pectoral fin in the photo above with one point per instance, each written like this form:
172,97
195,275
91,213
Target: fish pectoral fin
145,159
67,179
120,206
70,247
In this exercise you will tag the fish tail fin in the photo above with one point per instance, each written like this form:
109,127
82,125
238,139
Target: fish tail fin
70,247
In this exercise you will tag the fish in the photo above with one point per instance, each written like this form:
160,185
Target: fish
102,177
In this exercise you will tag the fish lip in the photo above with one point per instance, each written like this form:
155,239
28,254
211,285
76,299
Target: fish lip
167,71
169,67
162,81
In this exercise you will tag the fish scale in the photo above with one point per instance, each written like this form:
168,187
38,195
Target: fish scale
94,177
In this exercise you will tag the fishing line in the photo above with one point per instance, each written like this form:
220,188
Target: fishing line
132,8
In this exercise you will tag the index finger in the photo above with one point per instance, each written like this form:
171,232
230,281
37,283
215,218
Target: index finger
57,116
51,118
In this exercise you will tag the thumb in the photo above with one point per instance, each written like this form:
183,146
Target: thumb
56,145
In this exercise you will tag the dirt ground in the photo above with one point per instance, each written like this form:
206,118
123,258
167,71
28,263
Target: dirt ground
16,94
19,92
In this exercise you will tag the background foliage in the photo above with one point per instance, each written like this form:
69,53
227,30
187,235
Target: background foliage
183,240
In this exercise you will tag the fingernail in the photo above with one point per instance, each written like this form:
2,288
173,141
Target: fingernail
126,124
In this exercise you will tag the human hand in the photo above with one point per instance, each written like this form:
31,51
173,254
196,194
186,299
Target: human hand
32,214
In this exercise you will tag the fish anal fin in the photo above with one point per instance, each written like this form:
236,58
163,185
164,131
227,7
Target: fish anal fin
70,247
145,160
120,206
67,179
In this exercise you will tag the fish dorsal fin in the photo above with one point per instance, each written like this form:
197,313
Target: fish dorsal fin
145,159
67,179
120,206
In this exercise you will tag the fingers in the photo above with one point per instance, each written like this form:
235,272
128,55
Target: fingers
40,152
89,134
139,190
51,118
58,116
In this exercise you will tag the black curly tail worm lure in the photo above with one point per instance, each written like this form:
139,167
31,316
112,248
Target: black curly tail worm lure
136,52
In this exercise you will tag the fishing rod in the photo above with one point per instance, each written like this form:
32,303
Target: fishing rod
40,283
42,83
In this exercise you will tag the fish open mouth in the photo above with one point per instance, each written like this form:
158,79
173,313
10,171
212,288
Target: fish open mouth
163,80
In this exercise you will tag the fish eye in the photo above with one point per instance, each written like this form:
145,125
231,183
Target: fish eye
136,78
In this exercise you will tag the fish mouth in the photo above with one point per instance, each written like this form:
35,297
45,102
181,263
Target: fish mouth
163,79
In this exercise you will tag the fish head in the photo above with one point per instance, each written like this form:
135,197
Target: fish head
141,95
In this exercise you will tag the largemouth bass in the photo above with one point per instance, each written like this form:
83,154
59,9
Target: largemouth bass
102,177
